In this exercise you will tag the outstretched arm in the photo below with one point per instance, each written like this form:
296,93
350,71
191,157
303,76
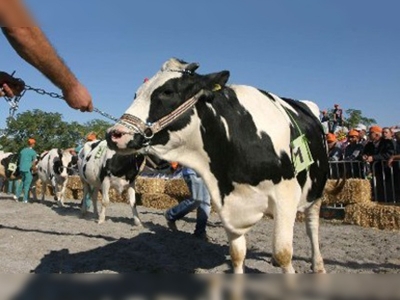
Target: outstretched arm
34,47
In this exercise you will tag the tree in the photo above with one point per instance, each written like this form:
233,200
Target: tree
354,116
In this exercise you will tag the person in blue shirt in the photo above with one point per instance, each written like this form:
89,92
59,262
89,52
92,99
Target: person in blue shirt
200,200
26,160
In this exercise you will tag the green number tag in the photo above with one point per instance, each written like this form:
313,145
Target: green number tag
301,154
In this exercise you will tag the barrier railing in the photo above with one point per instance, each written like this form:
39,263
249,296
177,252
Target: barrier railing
385,180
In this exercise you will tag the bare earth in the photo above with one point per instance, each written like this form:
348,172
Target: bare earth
45,238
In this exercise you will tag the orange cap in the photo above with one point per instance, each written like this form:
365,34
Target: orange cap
91,137
330,137
353,132
174,165
375,129
31,142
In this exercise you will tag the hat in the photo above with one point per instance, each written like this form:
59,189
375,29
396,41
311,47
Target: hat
353,132
330,137
375,129
91,137
336,105
31,142
360,127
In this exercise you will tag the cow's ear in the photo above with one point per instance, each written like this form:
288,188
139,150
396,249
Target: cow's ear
214,79
214,82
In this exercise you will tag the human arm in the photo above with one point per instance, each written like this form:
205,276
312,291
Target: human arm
34,47
393,158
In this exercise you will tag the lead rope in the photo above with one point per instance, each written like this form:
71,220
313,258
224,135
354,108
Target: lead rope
300,150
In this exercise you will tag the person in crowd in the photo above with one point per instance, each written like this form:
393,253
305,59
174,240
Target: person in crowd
377,152
325,121
200,200
353,155
335,154
396,137
387,133
335,151
33,46
337,117
26,161
362,133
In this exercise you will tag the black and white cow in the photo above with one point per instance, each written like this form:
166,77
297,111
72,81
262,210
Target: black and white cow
8,165
54,168
101,168
257,153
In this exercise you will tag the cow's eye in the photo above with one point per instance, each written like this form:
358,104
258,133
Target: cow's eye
167,93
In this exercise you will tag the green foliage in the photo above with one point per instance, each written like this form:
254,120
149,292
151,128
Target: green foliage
351,117
49,131
355,116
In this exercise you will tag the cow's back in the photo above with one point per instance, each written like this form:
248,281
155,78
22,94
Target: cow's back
91,159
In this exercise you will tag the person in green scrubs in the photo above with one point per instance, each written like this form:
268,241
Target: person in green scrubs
27,158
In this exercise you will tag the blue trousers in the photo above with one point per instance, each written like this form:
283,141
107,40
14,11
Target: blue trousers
200,200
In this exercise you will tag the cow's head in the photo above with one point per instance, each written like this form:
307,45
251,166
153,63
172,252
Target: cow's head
64,163
164,97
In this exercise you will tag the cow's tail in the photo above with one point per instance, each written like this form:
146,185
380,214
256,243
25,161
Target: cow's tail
338,186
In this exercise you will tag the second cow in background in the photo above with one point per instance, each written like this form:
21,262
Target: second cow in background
100,169
54,168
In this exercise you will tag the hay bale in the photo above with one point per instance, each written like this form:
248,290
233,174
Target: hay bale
354,191
177,188
158,201
149,185
371,214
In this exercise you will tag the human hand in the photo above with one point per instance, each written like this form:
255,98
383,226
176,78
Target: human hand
390,161
10,86
78,97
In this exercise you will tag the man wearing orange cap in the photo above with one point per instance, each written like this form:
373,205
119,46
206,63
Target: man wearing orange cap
377,148
335,151
376,151
27,158
353,152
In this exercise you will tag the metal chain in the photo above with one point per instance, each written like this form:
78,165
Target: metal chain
58,96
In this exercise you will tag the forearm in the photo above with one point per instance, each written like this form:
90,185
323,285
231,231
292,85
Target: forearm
33,46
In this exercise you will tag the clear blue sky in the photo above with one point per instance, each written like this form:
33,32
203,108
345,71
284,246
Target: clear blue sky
342,51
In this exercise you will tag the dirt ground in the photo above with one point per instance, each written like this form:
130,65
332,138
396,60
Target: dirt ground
45,238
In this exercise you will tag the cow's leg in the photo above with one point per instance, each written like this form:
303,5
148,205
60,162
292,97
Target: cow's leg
132,202
84,207
312,228
282,241
62,192
44,186
237,250
105,187
94,195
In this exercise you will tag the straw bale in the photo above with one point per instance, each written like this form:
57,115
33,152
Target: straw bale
371,214
177,188
149,185
158,201
354,191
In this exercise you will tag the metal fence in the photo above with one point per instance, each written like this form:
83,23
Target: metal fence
385,180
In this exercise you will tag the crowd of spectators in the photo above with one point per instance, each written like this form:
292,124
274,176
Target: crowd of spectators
372,153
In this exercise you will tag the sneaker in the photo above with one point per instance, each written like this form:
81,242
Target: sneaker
25,201
202,236
171,224
15,197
